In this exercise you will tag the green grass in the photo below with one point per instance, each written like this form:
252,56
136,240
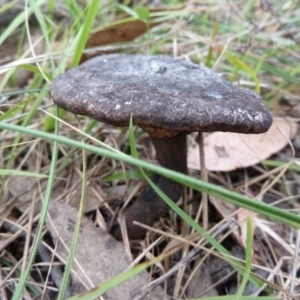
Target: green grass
258,54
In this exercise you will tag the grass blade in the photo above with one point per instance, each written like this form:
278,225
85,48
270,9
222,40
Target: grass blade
271,212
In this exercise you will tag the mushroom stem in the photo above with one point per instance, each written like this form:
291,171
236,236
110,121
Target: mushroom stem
171,153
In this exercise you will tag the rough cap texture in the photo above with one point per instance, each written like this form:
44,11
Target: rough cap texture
161,92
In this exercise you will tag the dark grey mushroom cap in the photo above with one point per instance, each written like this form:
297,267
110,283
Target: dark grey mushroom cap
159,92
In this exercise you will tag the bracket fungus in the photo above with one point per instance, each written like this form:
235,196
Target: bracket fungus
168,99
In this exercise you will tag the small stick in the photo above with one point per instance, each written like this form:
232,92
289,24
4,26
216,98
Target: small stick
204,178
2,288
192,255
56,272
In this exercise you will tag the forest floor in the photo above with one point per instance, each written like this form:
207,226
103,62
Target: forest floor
235,232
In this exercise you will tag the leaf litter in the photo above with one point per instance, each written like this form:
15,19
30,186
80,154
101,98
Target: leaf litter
227,151
275,244
98,256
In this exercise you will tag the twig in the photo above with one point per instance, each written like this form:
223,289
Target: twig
2,289
56,272
192,255
204,198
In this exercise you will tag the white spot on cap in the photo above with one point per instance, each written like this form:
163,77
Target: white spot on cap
117,106
128,102
214,95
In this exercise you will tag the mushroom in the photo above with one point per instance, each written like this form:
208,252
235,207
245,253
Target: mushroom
168,98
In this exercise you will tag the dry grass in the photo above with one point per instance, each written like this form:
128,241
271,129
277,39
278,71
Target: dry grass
252,43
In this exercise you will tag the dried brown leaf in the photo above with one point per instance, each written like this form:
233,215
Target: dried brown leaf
93,198
123,32
226,151
98,254
227,211
201,284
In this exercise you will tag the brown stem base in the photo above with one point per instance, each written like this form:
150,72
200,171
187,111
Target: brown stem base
149,207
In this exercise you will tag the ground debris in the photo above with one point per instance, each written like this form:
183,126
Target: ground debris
97,253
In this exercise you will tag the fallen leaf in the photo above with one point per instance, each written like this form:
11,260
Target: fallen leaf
23,189
201,284
227,211
250,288
98,255
227,151
212,274
122,32
94,194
